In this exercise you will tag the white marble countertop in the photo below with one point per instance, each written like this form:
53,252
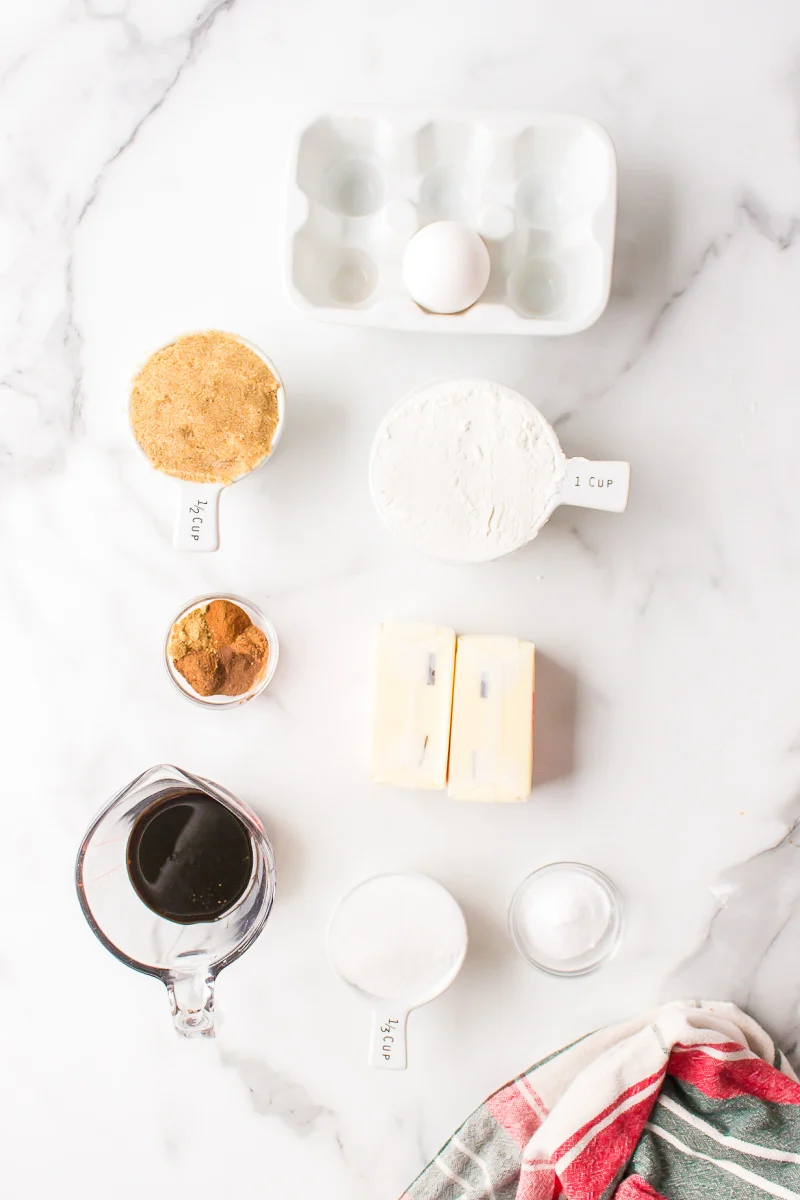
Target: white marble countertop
143,160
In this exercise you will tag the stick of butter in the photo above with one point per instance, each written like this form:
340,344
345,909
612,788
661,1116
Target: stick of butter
491,744
413,705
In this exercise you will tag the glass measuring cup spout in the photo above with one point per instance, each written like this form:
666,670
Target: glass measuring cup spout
191,995
176,877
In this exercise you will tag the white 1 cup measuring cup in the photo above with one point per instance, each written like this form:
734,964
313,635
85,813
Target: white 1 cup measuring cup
196,526
467,470
399,941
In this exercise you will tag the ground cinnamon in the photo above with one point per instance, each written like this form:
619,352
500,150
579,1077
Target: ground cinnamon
218,650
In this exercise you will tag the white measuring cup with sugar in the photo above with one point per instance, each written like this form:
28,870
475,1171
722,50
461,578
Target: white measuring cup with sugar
196,526
399,941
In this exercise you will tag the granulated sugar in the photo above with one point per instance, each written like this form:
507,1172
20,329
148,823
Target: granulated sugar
397,937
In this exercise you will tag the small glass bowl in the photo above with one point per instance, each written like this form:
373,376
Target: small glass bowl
595,955
259,619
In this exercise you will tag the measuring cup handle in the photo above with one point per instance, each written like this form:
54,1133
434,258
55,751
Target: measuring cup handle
603,485
387,1044
191,997
197,520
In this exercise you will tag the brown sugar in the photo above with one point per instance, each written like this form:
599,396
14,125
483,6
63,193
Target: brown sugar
205,408
218,650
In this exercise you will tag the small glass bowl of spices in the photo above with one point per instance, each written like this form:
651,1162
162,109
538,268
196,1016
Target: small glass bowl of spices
221,651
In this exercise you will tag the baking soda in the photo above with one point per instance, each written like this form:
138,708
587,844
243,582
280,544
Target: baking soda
562,915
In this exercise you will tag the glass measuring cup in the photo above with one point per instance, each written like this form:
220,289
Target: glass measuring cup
186,957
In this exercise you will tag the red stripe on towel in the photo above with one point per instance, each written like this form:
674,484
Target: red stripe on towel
588,1177
514,1114
580,1134
723,1047
636,1188
722,1080
537,1184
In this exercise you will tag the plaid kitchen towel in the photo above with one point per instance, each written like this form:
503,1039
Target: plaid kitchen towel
691,1102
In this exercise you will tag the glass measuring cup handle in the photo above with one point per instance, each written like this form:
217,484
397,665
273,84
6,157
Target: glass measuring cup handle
191,996
197,518
387,1044
602,485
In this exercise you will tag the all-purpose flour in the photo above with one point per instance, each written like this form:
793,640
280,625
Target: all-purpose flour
397,937
466,470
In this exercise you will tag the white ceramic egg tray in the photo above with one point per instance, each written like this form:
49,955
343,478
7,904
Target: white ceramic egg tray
540,189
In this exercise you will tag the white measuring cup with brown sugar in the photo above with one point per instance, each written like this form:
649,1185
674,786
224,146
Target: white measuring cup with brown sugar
207,409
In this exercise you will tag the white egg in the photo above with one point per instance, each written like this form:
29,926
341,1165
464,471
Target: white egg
446,267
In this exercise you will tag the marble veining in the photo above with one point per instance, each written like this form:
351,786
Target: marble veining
142,161
753,938
274,1095
130,71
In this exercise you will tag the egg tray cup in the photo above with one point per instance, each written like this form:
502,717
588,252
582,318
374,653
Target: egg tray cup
540,189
